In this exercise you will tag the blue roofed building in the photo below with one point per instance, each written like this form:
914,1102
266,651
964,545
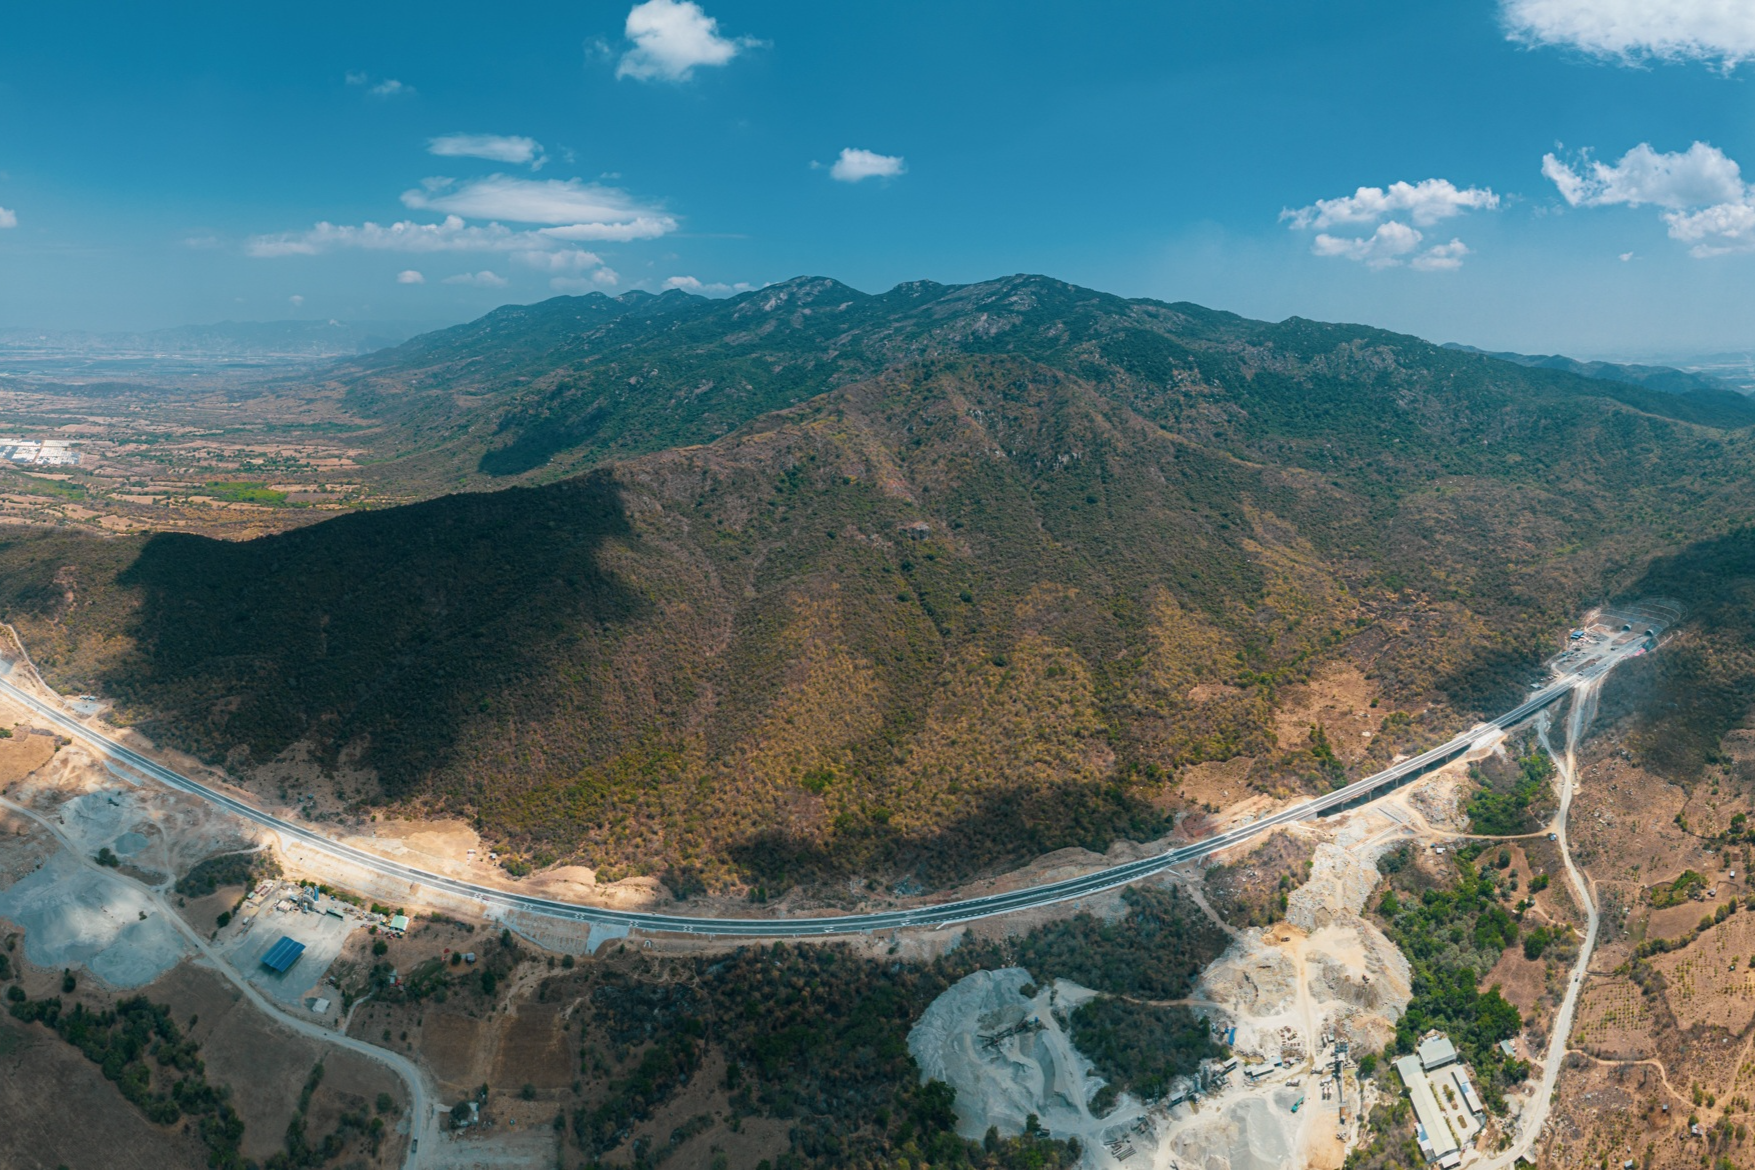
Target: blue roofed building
282,955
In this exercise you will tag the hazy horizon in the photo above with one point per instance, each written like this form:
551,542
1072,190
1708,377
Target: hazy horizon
402,328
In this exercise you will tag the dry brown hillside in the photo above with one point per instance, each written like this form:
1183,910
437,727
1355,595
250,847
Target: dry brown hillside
923,626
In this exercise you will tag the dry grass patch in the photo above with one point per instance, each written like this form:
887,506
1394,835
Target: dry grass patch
1712,982
1338,699
1613,1021
60,1111
536,1047
23,753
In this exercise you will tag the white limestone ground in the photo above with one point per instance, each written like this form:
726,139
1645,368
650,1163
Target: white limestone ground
1039,1071
1247,1134
1326,969
74,916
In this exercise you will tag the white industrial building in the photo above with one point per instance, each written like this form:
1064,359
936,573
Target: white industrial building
1436,1051
41,453
1447,1110
1430,1127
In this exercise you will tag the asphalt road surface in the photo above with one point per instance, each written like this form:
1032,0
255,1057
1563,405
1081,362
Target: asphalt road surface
932,915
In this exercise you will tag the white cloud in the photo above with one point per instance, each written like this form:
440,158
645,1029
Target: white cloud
579,210
482,279
453,235
1426,203
672,38
296,299
1625,256
389,87
410,276
855,164
1694,177
1706,203
565,212
8,218
506,148
642,228
1713,231
1381,249
1392,242
601,279
1720,32
567,260
1440,257
691,284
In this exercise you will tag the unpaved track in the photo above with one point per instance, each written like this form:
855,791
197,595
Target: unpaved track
1663,1073
1584,705
423,1122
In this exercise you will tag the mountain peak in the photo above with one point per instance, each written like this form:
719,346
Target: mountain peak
918,288
799,292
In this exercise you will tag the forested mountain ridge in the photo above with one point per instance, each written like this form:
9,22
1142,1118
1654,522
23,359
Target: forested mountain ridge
933,622
538,391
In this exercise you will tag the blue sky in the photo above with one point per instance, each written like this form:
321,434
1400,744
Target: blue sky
402,162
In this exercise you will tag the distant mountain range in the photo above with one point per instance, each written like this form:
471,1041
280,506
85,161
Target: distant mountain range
545,390
1664,378
304,340
810,583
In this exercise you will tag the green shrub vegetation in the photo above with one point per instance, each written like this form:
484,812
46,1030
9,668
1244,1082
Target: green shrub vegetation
228,869
238,492
1536,941
301,1154
142,1051
160,1072
816,1036
1156,951
36,485
1497,812
1451,937
1674,893
1139,1047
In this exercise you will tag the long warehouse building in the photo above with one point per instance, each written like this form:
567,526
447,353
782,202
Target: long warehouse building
1436,1141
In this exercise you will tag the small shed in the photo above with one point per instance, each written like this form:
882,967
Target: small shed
282,955
399,922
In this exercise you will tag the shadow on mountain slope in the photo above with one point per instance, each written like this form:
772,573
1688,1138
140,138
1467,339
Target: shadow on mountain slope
1003,825
1682,701
379,635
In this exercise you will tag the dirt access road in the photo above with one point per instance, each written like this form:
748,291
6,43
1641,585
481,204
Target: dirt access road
423,1116
1584,705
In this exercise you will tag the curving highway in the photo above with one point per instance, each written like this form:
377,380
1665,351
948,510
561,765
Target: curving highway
933,915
